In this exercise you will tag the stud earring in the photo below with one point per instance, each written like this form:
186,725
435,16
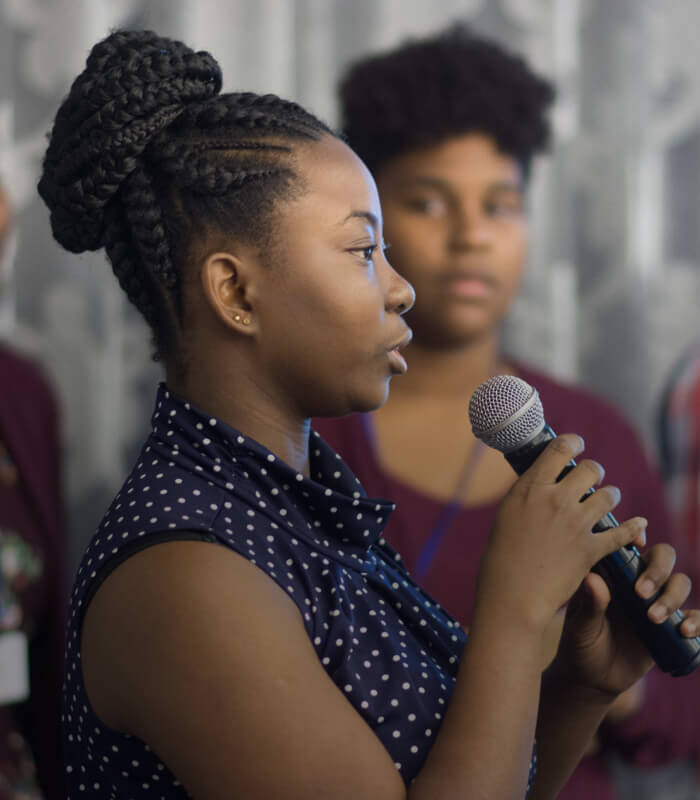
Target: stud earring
237,318
246,321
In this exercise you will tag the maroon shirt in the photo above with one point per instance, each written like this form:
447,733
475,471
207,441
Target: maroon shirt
451,578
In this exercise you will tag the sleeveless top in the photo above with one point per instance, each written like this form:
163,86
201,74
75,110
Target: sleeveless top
385,643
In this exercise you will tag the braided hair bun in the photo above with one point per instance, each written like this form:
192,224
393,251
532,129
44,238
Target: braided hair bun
135,83
147,159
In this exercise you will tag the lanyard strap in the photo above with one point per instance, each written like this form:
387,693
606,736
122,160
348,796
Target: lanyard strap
450,510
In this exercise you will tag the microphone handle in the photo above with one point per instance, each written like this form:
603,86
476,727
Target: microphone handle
673,652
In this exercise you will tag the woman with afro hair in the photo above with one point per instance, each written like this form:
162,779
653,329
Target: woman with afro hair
450,125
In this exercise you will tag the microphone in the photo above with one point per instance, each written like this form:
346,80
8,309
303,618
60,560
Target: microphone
506,413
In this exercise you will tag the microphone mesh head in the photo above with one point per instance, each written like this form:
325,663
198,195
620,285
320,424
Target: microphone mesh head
505,412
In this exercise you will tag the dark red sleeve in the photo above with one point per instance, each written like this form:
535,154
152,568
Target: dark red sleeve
667,728
46,657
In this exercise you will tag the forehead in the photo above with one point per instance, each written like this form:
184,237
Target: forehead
336,182
471,159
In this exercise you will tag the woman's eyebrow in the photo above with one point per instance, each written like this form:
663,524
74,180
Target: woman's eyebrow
368,216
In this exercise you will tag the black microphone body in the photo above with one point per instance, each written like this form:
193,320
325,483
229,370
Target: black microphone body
673,652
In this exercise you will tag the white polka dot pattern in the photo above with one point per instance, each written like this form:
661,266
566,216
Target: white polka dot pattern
388,647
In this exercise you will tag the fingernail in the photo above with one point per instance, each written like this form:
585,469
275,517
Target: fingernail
581,444
643,538
658,612
646,587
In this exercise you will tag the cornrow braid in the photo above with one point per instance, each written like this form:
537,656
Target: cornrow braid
192,167
145,155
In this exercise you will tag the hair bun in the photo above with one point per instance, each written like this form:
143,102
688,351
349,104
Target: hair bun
134,84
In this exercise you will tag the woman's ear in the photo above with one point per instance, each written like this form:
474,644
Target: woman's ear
226,281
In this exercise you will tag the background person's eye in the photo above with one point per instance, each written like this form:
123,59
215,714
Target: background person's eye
430,206
504,206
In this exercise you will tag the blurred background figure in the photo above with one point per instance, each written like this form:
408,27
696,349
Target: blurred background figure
609,294
32,575
449,126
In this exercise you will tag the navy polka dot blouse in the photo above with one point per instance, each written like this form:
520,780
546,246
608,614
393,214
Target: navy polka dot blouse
385,643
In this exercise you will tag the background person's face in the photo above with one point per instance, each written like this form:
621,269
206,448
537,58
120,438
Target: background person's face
455,219
330,305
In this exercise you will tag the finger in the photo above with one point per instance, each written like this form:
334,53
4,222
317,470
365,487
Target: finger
660,560
691,624
582,478
586,609
598,592
600,503
552,460
674,594
641,541
613,539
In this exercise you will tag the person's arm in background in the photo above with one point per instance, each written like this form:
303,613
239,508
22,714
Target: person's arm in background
47,646
656,723
666,726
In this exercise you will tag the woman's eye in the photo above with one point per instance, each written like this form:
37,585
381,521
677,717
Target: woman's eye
431,207
505,207
365,253
368,253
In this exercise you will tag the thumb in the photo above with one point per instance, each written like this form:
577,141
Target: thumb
590,601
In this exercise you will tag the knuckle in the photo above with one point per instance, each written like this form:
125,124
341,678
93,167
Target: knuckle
612,495
684,583
558,503
594,468
662,556
667,551
564,444
626,533
520,490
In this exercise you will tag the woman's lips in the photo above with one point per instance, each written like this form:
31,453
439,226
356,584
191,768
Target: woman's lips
471,287
397,362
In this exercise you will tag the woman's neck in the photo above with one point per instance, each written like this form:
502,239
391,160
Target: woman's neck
238,402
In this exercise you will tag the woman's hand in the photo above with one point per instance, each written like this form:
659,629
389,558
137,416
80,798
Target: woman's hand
598,647
542,545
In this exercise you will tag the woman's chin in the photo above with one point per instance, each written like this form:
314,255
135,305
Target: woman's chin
372,401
